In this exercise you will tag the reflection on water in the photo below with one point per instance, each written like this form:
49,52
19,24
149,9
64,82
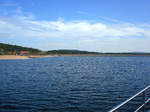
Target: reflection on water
70,84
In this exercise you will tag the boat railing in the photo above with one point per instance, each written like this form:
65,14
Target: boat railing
142,107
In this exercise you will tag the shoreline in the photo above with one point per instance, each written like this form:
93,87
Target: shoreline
13,57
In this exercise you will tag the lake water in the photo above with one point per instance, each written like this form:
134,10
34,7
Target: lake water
71,84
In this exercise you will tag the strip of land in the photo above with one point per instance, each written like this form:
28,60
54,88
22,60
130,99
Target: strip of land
11,57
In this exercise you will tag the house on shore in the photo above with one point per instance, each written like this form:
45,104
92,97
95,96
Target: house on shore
24,53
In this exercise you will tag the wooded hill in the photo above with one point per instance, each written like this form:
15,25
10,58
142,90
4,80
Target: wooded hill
14,49
65,51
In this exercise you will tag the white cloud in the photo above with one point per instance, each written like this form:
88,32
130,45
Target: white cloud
99,36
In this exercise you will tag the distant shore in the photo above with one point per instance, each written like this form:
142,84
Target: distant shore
11,57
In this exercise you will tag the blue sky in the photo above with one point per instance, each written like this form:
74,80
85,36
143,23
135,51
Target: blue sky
95,25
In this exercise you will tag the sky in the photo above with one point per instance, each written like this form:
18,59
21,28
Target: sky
93,25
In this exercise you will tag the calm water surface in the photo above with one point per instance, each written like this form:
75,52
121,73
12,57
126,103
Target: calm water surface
70,84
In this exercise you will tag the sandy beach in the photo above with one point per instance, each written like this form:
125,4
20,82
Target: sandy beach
10,57
4,57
